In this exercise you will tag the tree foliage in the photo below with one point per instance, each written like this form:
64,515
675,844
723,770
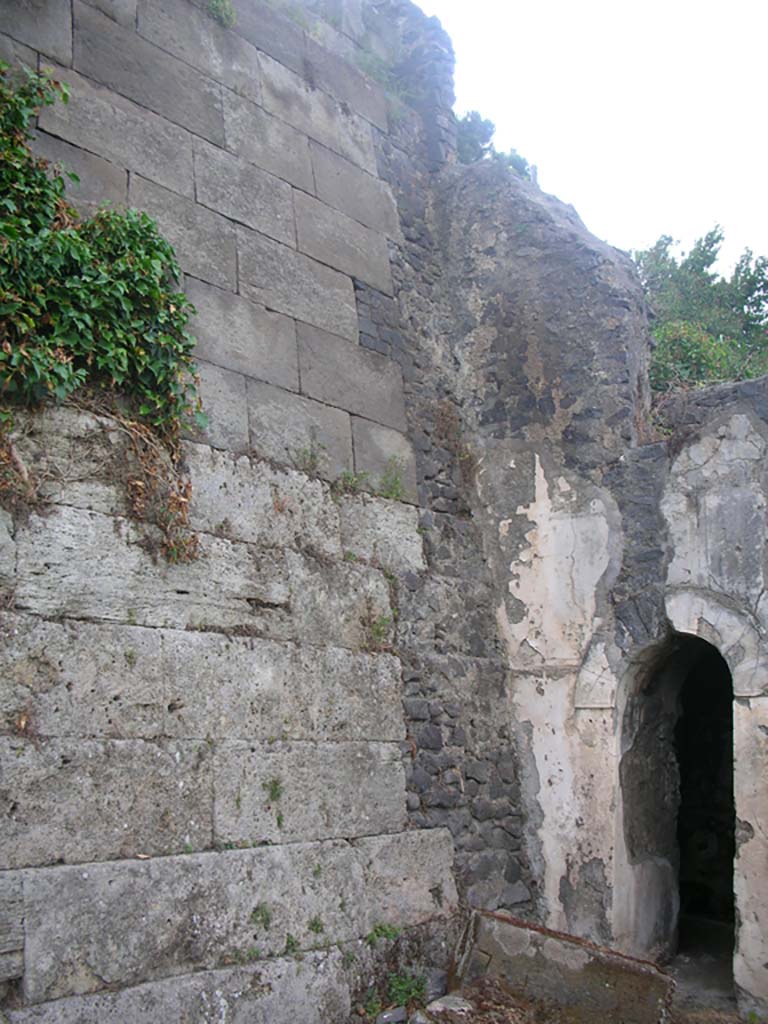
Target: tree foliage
89,301
708,328
475,142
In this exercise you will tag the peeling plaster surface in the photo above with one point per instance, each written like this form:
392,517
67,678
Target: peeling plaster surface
556,576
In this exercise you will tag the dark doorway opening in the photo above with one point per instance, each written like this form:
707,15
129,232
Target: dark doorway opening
706,817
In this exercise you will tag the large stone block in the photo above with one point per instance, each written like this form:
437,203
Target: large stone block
84,800
194,37
287,792
380,450
360,195
271,32
244,192
11,926
311,989
122,60
204,240
339,603
78,679
229,585
337,240
121,11
292,283
122,132
294,430
101,183
347,83
17,54
350,377
100,926
264,140
238,335
224,397
316,114
383,532
251,501
45,25
408,876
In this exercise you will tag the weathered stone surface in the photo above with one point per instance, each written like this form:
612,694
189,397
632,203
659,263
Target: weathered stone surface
45,25
7,551
229,585
258,137
379,449
101,183
204,241
77,679
94,926
384,532
122,132
292,283
225,402
408,877
15,53
350,377
339,603
11,926
249,500
84,800
347,83
282,991
121,11
287,792
361,196
122,60
316,114
272,32
243,192
338,241
194,37
297,431
238,335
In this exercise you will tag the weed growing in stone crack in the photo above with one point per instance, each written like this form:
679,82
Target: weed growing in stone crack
261,915
316,925
377,630
349,483
309,459
188,848
350,556
273,789
382,931
223,12
291,944
391,482
316,871
406,989
372,1005
279,820
130,657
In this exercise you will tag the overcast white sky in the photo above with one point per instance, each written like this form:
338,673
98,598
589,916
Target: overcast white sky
650,118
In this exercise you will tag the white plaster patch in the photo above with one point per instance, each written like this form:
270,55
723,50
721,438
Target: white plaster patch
596,682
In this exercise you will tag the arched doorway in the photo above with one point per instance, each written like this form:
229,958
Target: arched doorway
676,775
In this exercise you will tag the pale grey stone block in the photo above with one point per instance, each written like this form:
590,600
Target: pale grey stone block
244,192
339,603
11,926
408,877
240,336
74,800
7,551
260,504
264,140
45,25
204,241
299,432
337,240
106,681
316,114
195,37
133,67
384,532
290,282
350,377
288,792
101,183
121,132
347,83
380,449
229,585
312,990
224,397
100,925
15,53
121,11
360,195
271,32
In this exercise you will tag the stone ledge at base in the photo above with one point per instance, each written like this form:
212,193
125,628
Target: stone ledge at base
593,983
